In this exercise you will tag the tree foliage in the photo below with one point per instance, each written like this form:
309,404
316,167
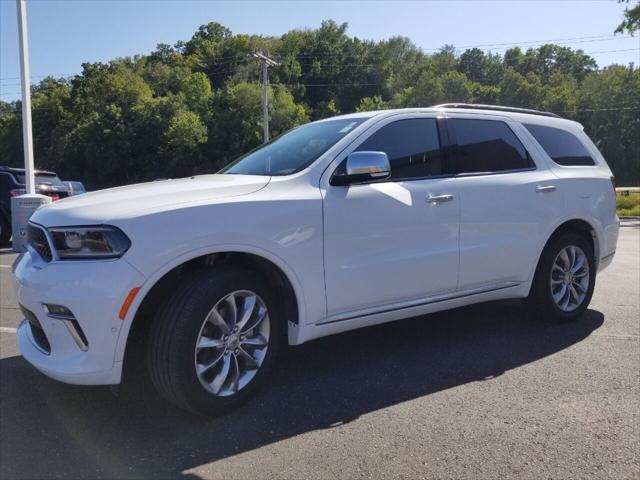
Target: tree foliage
194,106
631,21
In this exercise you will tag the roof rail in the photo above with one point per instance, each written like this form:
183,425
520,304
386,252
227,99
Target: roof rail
497,108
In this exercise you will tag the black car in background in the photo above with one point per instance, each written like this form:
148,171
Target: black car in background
12,184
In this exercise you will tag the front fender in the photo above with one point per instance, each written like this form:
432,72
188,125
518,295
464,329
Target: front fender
153,279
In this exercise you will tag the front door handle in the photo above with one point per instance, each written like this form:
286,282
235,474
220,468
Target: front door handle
545,188
439,198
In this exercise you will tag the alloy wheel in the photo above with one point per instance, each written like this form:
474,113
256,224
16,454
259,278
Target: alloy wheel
570,278
232,343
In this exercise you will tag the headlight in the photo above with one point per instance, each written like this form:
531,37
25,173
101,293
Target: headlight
89,242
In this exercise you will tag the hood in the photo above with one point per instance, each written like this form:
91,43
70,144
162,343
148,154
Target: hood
99,207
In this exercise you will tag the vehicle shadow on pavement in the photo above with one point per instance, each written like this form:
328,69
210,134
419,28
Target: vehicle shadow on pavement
54,430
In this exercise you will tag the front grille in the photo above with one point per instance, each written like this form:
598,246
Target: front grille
36,330
38,241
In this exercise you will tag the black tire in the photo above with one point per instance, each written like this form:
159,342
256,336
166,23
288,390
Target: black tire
175,330
540,298
5,232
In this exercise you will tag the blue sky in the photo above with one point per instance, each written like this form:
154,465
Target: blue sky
63,34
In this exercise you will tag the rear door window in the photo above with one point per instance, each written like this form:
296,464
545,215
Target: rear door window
487,146
563,147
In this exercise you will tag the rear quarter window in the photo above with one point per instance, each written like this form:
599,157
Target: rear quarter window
562,146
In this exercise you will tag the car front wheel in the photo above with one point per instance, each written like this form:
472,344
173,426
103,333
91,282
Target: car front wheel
214,340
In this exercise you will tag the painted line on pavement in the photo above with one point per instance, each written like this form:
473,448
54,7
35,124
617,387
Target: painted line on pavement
8,330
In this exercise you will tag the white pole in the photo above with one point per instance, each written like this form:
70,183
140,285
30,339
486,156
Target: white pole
27,133
265,101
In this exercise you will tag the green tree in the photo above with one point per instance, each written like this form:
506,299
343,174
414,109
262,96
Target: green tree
608,107
560,94
186,131
473,63
519,91
370,104
196,105
456,88
237,121
631,20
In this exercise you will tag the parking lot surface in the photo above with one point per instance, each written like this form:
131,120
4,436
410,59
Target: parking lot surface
479,392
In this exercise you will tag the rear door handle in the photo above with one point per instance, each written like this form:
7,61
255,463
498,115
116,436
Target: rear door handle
439,198
545,188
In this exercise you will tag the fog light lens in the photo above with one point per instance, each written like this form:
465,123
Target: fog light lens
57,311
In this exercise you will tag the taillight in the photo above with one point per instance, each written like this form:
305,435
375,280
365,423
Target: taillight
613,183
16,192
54,197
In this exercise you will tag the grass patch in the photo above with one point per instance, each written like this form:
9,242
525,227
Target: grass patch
628,205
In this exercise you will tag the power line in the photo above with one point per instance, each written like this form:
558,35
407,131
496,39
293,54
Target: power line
578,110
231,58
42,76
227,60
613,109
601,38
614,51
364,65
330,84
530,43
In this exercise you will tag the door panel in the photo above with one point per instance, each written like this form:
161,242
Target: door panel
503,219
506,202
385,243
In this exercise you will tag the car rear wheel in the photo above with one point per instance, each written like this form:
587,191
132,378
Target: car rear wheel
213,343
565,278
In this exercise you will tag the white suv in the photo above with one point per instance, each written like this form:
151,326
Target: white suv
335,225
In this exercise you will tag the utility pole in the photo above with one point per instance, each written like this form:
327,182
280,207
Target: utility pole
23,206
266,63
27,134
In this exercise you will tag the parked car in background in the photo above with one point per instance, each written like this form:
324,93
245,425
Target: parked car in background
75,188
12,184
338,224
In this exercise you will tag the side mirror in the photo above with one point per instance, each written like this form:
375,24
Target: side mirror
364,166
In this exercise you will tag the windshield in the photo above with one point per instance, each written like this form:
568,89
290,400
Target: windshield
295,150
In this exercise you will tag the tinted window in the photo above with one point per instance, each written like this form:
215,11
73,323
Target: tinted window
42,179
295,150
487,146
411,145
562,146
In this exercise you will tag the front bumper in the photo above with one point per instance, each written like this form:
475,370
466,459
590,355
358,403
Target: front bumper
94,292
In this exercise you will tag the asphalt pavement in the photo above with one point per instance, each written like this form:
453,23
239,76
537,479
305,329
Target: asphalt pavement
479,392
